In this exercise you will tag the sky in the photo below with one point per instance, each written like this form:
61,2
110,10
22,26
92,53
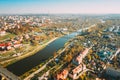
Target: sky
59,6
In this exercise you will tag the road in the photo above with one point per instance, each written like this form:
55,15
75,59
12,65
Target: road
115,54
81,73
44,66
28,53
8,75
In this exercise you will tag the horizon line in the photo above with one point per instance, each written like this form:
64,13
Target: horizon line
57,13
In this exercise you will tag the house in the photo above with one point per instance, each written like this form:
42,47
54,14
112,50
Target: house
5,46
21,38
62,75
2,32
76,71
99,79
37,38
104,54
2,47
16,42
84,53
8,46
64,29
17,45
79,58
27,36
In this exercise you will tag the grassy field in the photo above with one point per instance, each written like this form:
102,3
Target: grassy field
31,51
7,53
7,36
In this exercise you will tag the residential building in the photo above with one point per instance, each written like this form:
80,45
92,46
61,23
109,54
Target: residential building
2,32
62,75
76,71
79,58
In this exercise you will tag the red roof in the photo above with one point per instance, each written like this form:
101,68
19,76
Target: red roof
62,75
77,69
85,51
5,44
8,44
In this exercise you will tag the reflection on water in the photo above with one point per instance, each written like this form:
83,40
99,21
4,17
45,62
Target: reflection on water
26,64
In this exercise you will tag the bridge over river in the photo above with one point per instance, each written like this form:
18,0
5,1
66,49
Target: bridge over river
7,75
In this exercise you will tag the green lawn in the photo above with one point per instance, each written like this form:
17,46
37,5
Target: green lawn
7,53
7,36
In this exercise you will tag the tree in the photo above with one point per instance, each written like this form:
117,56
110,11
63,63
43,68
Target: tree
54,54
35,43
89,57
69,57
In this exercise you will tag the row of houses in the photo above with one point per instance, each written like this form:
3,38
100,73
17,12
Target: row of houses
80,57
62,75
18,41
8,22
5,46
10,45
73,73
113,29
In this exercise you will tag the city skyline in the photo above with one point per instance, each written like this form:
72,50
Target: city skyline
59,6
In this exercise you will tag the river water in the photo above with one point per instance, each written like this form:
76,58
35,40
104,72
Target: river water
28,63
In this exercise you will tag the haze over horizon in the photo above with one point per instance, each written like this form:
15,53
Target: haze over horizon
60,6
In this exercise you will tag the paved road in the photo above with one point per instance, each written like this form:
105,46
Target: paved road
115,54
44,66
8,75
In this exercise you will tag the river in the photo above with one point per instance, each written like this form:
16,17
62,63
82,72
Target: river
28,63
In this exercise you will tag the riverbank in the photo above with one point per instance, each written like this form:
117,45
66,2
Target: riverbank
31,73
42,56
25,55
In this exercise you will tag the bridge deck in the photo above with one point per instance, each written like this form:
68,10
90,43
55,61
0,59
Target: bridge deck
7,74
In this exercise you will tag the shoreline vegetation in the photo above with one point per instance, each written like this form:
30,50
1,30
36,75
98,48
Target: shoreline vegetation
29,74
28,54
